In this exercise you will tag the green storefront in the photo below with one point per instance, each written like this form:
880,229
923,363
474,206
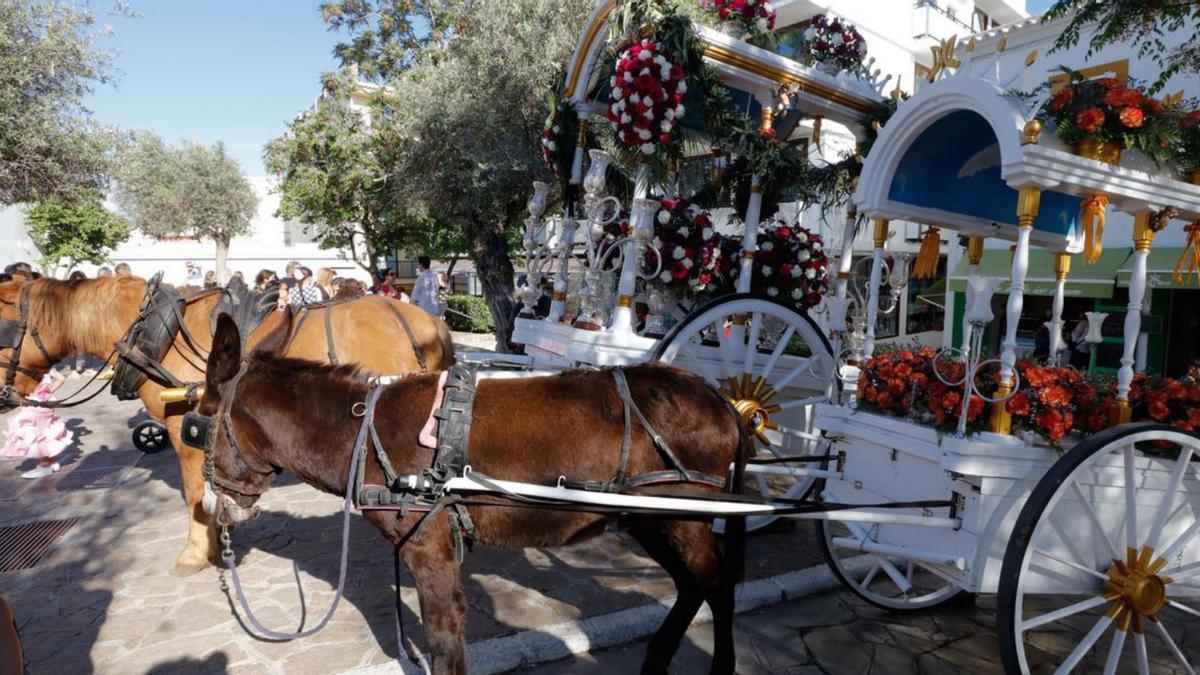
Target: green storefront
1171,327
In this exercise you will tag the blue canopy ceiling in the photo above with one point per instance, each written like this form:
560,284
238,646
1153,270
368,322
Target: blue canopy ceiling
954,166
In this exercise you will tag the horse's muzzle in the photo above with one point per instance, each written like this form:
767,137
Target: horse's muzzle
224,509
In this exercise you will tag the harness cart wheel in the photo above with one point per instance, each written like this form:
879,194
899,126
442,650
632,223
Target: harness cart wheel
889,581
772,363
1102,572
150,437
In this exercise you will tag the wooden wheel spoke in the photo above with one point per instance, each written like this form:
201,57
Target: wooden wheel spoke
701,367
1094,520
1143,659
1062,613
756,320
1114,651
1166,637
1164,508
1131,538
1184,608
1072,565
866,582
726,348
769,366
894,573
1084,646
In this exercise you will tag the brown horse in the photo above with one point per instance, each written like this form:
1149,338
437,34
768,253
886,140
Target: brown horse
90,315
528,429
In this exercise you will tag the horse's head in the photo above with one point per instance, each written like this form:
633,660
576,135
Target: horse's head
229,425
17,379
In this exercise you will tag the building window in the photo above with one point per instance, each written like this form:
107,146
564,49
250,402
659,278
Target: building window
296,233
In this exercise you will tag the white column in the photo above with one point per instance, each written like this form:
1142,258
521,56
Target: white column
974,256
566,241
580,142
1143,341
881,233
1027,206
846,259
1143,237
622,319
1062,267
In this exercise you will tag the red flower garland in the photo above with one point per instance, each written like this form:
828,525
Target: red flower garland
790,265
756,16
646,99
690,249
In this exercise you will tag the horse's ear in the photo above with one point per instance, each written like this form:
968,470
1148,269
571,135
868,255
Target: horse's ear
274,342
225,359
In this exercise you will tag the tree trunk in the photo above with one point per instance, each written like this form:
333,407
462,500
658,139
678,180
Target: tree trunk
495,271
222,258
450,267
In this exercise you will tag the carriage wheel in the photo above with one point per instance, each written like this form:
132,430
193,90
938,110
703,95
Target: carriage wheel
1102,571
888,581
772,363
150,437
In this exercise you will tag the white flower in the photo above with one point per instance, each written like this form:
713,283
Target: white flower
767,270
628,76
665,125
768,246
681,87
657,242
647,148
680,110
649,114
683,231
618,93
626,119
664,217
664,73
612,82
555,130
669,114
797,293
552,145
645,71
687,262
660,60
816,246
645,135
801,237
803,255
692,210
634,98
646,55
677,253
706,233
811,273
761,25
693,282
772,291
665,277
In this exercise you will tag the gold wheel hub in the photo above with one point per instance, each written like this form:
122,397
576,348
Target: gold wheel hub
1135,589
750,397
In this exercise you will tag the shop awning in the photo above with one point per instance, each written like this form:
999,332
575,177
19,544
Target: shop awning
1084,281
1160,271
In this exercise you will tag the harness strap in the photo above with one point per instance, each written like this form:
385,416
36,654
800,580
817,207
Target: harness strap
412,340
333,359
147,365
631,406
304,314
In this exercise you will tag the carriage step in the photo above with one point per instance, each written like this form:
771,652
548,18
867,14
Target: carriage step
800,459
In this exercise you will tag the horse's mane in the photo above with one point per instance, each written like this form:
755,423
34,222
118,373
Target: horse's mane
84,309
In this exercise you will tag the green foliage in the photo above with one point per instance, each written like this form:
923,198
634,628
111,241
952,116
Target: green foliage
50,60
386,37
74,233
187,190
1143,23
468,313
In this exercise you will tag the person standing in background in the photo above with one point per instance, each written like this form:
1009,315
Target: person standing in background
104,272
325,283
425,290
123,270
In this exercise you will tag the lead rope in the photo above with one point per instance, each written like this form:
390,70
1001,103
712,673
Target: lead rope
230,561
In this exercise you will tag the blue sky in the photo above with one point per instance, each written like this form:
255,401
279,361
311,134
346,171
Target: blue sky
208,70
224,70
1037,6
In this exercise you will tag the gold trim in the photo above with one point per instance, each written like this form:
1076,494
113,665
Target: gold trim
1135,589
766,119
1027,205
1121,413
593,30
974,249
943,57
625,301
1119,70
724,55
881,232
1001,420
1031,58
755,189
1029,134
1062,266
1143,235
581,139
559,296
748,255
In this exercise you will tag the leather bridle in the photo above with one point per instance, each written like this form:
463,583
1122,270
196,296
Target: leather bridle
13,334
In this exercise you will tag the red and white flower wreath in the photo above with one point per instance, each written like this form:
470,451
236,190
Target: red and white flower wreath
646,99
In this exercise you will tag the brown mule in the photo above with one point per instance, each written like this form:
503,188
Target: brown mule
90,315
528,429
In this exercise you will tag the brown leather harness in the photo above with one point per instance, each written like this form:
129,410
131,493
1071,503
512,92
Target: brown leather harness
12,335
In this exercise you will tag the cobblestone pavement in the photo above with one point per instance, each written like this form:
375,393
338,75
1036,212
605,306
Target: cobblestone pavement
838,633
103,599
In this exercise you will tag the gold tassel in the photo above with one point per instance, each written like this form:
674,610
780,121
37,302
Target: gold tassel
1189,259
1093,227
925,266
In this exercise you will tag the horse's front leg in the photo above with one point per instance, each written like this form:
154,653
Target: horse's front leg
430,558
201,545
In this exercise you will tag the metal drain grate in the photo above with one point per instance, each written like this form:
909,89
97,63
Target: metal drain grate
22,546
99,470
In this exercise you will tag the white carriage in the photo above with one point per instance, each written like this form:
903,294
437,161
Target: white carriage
1084,545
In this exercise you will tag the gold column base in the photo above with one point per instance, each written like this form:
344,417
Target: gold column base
1000,421
1120,413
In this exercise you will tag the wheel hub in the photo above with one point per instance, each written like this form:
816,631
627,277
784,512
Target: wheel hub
1135,589
750,397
